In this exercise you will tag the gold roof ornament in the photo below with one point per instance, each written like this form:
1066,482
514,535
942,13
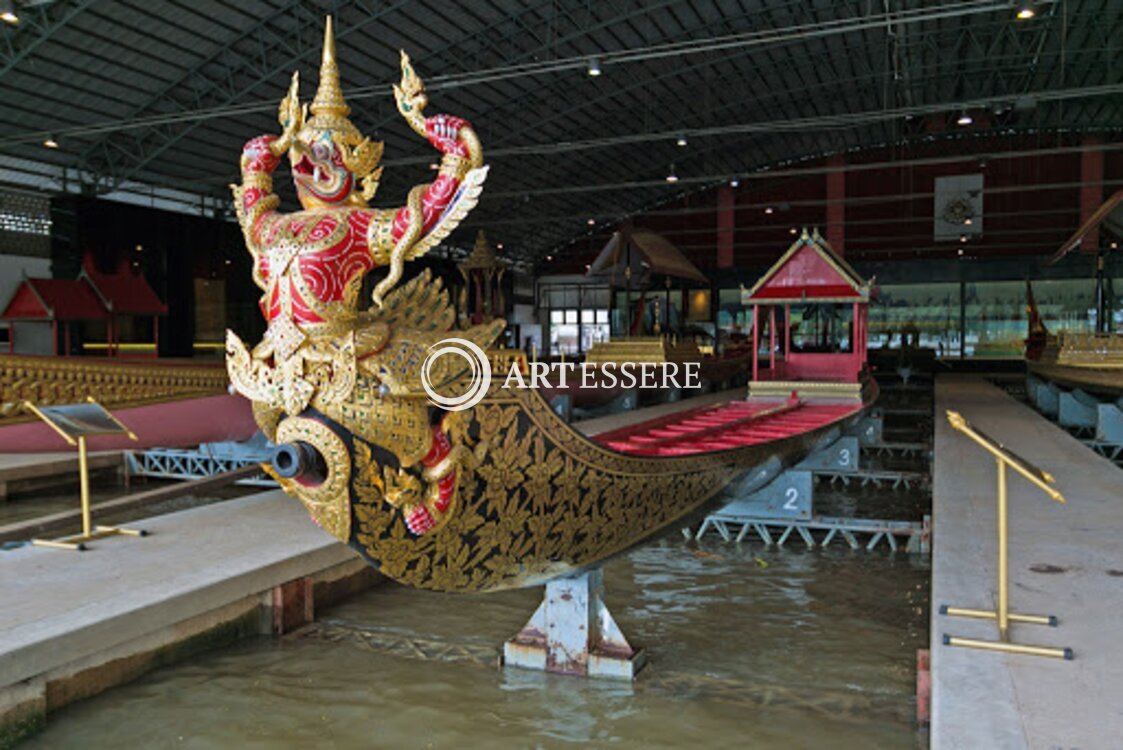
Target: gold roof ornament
482,255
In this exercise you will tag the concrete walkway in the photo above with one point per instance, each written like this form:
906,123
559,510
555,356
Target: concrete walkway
70,620
31,470
983,699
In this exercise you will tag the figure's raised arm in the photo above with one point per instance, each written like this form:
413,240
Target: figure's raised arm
452,136
254,198
432,211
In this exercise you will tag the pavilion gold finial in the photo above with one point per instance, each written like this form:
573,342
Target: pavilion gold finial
329,95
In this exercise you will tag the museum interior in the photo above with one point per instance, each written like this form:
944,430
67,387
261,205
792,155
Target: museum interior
556,373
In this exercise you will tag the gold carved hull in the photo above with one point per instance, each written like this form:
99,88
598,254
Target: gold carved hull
116,384
1105,382
1089,362
542,501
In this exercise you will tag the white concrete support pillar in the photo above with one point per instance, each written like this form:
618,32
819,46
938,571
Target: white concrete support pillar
572,632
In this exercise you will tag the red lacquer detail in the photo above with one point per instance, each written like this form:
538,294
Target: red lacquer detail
433,205
732,425
420,520
806,274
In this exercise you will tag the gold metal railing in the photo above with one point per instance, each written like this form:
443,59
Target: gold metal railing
117,384
1002,615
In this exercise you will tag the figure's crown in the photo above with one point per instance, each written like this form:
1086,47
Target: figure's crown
329,102
329,113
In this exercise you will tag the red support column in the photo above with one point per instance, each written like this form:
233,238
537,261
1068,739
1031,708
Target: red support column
756,340
787,331
772,340
836,208
156,336
856,332
725,226
54,337
66,339
1091,189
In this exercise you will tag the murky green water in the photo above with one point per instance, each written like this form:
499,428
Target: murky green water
749,647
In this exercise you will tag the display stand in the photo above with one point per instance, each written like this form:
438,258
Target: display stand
573,633
75,423
1004,458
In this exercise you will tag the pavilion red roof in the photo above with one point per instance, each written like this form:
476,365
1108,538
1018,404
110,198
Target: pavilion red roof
810,271
124,293
54,299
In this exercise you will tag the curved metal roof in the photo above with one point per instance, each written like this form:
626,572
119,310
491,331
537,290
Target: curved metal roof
164,92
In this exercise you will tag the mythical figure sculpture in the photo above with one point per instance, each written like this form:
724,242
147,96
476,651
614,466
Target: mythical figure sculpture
498,495
320,352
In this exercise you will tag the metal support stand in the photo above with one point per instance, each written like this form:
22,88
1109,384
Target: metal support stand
779,505
1002,615
572,632
89,532
75,422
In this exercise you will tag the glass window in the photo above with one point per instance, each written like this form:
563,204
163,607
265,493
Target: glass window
824,327
563,339
588,316
926,313
557,316
570,316
995,319
602,316
732,317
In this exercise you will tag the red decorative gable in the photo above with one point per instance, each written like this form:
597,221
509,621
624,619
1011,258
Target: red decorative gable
26,304
125,293
809,271
54,299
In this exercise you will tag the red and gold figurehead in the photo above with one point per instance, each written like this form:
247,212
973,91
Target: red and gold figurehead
340,382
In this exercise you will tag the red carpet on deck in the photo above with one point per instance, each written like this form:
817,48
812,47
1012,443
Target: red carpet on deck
722,427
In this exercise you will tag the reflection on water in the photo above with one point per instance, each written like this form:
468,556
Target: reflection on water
749,647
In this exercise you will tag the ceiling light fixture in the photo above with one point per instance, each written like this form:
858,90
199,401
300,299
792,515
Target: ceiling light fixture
1026,12
768,210
964,118
962,238
968,221
681,141
591,222
594,67
50,142
735,183
792,230
8,12
671,176
499,246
